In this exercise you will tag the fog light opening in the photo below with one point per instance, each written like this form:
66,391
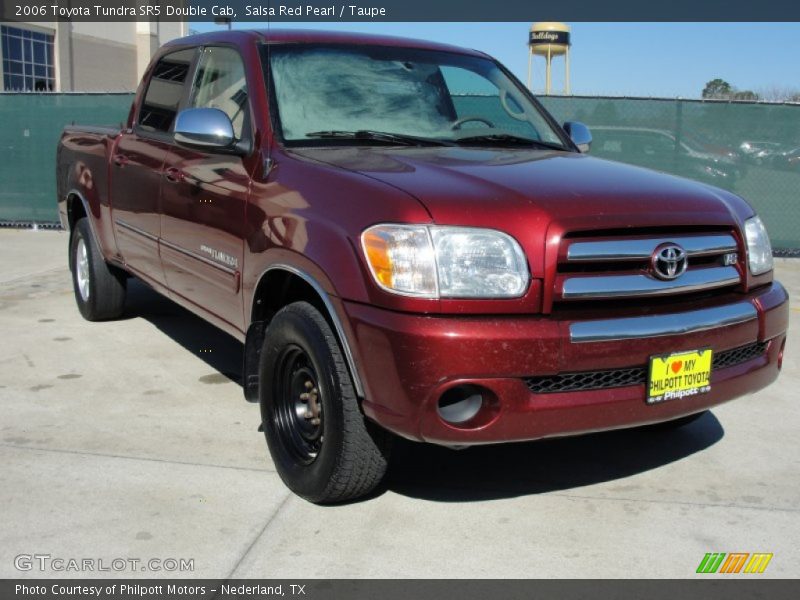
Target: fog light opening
461,404
780,354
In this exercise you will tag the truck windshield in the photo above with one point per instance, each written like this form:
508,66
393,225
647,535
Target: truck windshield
334,94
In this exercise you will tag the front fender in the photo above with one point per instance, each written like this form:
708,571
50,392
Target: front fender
312,274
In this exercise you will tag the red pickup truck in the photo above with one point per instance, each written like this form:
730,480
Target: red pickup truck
408,244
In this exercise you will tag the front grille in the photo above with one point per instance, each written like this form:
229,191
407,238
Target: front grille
611,378
613,267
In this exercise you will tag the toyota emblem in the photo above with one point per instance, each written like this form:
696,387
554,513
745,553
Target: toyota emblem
669,261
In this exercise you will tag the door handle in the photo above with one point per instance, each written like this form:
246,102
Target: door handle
173,174
121,160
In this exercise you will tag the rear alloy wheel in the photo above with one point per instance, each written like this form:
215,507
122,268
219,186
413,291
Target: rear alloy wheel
323,447
99,288
82,269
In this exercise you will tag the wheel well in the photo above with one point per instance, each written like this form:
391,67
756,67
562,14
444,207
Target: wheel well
276,289
75,210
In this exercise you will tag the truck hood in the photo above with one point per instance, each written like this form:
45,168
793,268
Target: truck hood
491,186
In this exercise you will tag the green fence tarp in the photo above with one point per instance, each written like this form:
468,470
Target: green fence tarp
751,149
30,126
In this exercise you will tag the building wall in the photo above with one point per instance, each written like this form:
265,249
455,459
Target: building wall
103,57
100,65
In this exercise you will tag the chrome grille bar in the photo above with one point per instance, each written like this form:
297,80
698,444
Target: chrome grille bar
614,286
618,250
650,326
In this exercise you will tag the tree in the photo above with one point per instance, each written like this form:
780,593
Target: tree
717,88
745,95
778,93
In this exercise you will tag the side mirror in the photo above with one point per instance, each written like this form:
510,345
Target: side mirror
204,129
580,135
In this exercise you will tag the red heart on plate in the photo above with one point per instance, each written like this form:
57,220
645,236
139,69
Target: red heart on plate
676,366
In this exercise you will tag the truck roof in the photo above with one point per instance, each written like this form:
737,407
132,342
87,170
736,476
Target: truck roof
312,36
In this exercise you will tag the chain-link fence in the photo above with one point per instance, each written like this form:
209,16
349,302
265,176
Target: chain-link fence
752,149
31,127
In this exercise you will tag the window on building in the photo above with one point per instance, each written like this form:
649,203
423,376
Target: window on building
27,60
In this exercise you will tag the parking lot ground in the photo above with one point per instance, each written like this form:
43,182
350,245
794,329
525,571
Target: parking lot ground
131,439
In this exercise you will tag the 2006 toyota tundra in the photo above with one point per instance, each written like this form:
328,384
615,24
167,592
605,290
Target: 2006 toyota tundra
407,243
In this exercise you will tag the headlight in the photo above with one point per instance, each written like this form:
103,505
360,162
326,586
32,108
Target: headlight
445,262
759,250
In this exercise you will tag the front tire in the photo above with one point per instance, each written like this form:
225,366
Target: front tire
322,446
99,288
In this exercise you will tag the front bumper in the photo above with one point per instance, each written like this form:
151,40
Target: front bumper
408,361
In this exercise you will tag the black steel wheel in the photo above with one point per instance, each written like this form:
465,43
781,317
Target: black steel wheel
298,405
323,447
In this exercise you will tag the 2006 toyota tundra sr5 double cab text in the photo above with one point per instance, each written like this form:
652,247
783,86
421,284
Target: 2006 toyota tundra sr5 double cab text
408,244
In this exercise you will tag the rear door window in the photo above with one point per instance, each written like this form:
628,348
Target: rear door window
164,92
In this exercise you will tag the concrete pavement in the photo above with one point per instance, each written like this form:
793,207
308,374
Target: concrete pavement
131,439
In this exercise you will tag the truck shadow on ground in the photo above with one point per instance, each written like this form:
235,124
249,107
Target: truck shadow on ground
222,353
481,473
509,470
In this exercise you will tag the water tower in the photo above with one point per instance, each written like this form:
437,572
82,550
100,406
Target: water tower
549,40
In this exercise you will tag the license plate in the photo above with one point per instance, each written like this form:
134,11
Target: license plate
679,375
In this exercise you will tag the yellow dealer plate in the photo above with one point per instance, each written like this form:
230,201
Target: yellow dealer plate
679,375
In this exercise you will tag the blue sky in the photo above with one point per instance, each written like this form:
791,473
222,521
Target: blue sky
635,59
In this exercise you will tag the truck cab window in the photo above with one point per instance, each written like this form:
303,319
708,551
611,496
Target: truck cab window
164,91
220,83
439,96
473,93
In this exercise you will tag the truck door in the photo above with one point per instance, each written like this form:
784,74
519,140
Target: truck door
136,166
204,196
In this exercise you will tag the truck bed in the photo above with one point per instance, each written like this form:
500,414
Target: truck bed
82,170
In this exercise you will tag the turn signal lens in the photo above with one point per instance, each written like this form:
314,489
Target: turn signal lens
401,259
377,249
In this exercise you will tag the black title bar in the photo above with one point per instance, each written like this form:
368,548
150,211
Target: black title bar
399,10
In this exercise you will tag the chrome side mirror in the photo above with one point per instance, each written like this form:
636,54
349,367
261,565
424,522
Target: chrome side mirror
204,129
580,135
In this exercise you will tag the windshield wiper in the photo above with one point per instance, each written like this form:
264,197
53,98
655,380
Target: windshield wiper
507,138
379,136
